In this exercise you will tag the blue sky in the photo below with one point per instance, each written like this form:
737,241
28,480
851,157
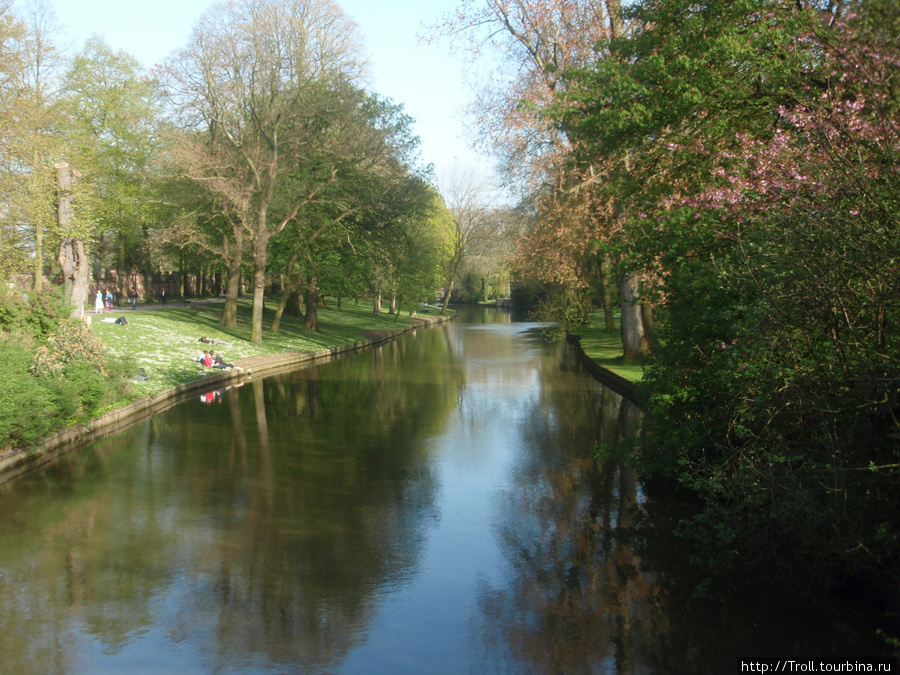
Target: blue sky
426,79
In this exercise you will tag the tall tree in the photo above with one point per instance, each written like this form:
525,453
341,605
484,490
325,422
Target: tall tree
468,217
40,94
539,42
760,136
250,80
113,115
30,140
12,69
359,166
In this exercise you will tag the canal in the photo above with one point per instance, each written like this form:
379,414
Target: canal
431,506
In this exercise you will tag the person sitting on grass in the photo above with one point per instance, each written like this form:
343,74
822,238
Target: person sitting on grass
219,362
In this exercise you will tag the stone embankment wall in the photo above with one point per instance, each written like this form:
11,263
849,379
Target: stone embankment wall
612,380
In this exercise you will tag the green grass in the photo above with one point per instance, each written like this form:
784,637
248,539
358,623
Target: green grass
605,348
166,342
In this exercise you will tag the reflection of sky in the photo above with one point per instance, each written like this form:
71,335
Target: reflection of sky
197,596
482,538
477,458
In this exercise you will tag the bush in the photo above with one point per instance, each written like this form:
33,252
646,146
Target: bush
82,390
72,343
32,314
64,381
28,405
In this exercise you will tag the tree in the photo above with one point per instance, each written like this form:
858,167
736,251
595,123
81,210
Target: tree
467,219
31,143
532,45
39,97
404,247
803,304
252,81
12,67
113,117
758,139
539,43
358,168
490,254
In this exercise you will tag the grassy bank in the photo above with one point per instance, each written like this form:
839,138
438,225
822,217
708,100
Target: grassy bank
605,348
165,342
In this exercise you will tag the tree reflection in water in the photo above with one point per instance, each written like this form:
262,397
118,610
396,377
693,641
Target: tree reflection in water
360,517
598,581
577,600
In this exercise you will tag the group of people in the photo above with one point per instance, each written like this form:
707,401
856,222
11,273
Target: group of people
104,303
211,359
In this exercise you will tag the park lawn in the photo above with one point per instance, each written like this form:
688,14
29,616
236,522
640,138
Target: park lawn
605,348
166,342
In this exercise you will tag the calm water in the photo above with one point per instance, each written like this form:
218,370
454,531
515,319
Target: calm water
431,506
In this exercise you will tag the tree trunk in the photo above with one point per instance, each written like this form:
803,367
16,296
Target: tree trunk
634,338
182,265
376,304
609,292
651,327
120,266
38,255
146,263
72,257
290,303
260,258
311,322
447,297
276,322
234,254
36,163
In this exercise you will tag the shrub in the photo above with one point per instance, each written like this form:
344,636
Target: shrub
32,314
64,381
28,405
73,342
82,390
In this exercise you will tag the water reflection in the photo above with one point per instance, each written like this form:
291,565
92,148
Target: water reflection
431,506
600,584
577,600
259,530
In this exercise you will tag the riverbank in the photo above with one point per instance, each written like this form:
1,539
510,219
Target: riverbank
603,374
163,346
601,353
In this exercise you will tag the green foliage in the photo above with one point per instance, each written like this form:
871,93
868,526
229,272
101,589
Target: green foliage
778,374
73,343
751,149
83,389
27,404
34,314
62,382
528,293
566,307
